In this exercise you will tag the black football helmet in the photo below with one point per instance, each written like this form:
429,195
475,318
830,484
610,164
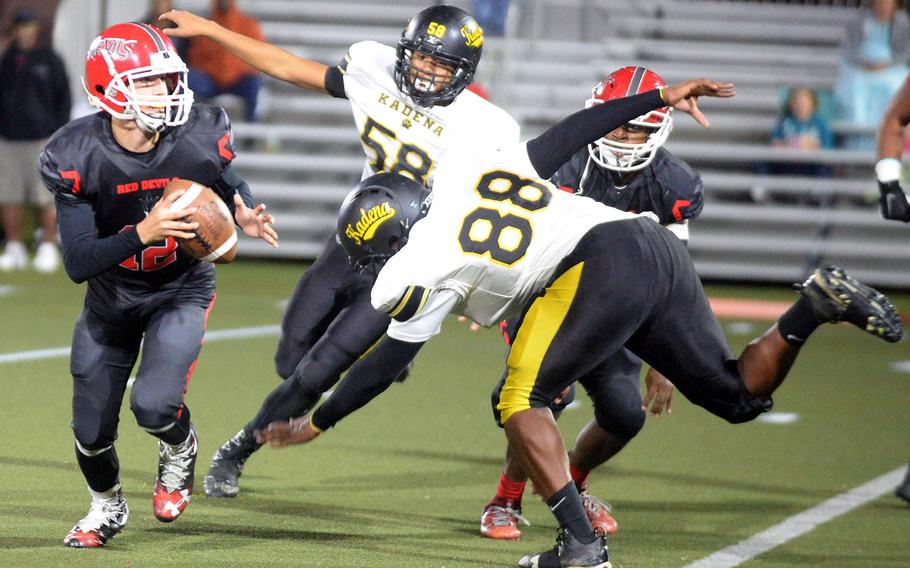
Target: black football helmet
453,38
376,217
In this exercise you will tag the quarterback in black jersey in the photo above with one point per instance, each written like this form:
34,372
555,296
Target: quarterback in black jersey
630,170
107,172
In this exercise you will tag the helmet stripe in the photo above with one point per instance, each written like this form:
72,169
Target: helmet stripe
635,83
158,43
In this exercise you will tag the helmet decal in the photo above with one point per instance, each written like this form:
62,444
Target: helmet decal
473,35
369,222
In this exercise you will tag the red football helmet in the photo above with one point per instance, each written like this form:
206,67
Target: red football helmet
125,53
620,156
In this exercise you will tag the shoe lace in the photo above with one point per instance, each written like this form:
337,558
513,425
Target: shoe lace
506,516
176,463
102,512
593,504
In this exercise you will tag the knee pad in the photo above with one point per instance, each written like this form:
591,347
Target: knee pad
623,421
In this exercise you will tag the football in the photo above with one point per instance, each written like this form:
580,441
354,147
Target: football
216,237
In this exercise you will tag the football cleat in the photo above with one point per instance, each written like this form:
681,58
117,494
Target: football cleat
175,477
599,513
227,465
836,296
500,522
570,553
903,490
105,518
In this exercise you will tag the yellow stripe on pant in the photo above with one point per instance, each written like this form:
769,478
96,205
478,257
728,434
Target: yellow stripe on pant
535,335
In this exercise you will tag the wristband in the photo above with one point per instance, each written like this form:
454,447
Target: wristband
888,170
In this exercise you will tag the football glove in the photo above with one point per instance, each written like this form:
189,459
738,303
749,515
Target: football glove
893,201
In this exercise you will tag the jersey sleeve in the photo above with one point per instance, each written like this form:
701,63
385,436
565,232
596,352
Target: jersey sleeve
424,315
683,192
58,173
224,137
363,58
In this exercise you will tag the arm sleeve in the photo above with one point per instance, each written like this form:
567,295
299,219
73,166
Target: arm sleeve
84,254
230,183
366,380
334,81
556,145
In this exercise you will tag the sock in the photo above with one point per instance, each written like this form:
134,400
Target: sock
101,468
251,436
566,506
798,322
580,478
179,431
509,490
101,495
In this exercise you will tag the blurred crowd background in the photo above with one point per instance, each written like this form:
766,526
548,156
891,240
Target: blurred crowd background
787,164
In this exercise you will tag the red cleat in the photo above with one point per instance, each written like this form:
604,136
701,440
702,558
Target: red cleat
105,518
176,465
599,513
500,522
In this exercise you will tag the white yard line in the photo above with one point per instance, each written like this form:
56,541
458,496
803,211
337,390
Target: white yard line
802,523
219,335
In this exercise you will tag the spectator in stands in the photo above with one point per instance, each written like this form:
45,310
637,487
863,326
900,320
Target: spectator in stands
34,102
158,7
491,15
876,49
214,71
801,126
894,202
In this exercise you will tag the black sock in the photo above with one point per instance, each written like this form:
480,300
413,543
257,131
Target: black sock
101,471
798,322
178,433
566,506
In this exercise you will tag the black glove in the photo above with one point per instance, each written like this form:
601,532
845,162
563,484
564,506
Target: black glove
894,202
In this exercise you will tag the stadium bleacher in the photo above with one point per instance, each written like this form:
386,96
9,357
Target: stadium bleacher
305,154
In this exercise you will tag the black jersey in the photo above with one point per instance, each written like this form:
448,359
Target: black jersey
93,176
668,187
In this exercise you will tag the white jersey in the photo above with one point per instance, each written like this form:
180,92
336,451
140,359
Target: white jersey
401,137
492,239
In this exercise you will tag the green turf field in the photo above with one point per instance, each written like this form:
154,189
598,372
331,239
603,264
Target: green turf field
401,483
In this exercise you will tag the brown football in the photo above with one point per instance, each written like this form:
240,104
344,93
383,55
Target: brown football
216,238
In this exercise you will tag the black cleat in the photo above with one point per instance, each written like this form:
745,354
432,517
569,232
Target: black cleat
227,465
903,490
836,296
570,553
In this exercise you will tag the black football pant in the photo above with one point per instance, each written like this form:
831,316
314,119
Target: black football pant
627,283
104,352
329,323
614,388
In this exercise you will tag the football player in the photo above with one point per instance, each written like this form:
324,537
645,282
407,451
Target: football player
107,172
894,202
409,105
586,280
630,170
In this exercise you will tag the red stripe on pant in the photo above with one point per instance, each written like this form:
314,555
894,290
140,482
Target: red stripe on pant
189,374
